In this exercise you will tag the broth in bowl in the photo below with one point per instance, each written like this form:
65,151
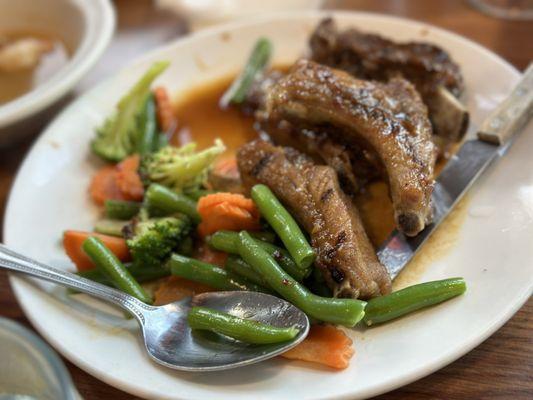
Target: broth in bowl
27,60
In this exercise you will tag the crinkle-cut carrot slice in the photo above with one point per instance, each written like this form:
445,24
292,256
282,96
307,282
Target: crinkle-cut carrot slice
128,179
326,345
164,112
73,240
104,186
227,166
227,217
205,203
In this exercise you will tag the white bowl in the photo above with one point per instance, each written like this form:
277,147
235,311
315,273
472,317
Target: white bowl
86,27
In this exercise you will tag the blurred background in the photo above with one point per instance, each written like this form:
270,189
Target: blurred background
503,26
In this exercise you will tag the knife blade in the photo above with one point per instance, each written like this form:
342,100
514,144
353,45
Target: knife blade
463,169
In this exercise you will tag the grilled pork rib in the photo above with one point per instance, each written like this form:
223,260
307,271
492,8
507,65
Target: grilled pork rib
388,120
313,196
354,167
428,67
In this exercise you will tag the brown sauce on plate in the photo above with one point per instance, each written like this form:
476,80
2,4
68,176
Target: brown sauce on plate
201,120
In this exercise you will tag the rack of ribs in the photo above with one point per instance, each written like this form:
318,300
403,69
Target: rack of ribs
387,120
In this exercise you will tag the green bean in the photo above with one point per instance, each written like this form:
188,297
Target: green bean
242,329
111,227
209,274
120,209
238,266
141,274
168,201
412,298
147,140
337,311
284,259
284,225
264,236
147,274
161,141
228,242
110,265
224,241
196,194
257,61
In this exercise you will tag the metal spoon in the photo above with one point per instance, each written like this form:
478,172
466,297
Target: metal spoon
168,338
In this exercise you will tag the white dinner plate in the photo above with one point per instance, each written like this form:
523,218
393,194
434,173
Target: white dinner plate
488,241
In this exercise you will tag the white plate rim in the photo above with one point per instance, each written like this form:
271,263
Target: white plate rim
401,379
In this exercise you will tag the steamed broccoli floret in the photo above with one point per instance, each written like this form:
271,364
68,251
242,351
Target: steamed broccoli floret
151,241
181,169
117,137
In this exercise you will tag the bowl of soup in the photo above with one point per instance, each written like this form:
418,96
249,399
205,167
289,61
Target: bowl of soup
46,47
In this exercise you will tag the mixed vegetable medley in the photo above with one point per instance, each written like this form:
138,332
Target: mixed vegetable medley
163,222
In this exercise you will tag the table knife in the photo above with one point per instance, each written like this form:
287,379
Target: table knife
464,168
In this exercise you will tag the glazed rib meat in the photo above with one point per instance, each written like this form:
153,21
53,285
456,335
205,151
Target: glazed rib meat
313,196
428,67
386,119
354,167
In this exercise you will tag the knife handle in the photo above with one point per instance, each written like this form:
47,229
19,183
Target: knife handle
514,112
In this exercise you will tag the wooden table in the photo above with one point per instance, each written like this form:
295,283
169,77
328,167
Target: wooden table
501,367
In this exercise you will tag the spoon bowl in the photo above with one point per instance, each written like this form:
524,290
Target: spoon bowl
176,346
167,336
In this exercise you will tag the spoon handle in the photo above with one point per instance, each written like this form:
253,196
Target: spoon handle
14,261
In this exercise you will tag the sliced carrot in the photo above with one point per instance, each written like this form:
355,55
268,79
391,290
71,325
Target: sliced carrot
225,176
225,208
211,200
205,253
165,115
227,211
128,179
227,166
175,288
73,240
326,345
228,218
104,186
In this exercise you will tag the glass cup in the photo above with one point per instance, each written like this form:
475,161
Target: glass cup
506,9
29,368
